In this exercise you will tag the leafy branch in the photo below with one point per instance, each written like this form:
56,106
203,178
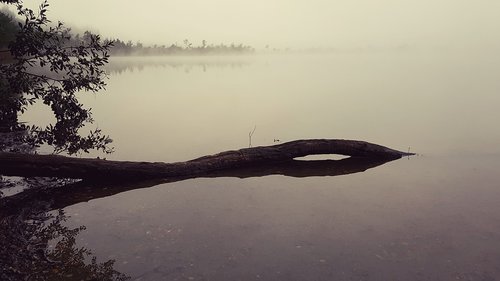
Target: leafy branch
47,66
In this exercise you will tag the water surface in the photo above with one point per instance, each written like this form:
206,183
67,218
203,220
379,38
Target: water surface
434,216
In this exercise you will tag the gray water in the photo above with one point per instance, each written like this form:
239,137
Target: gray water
434,216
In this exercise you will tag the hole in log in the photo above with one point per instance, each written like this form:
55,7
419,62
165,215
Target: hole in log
321,157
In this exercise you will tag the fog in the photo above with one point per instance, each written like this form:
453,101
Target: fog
426,24
418,76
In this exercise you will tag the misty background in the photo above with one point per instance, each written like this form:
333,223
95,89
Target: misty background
386,24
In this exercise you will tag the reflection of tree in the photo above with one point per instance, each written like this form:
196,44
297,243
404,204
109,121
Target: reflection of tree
35,245
124,65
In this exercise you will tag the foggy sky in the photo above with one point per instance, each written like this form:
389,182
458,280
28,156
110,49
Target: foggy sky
291,23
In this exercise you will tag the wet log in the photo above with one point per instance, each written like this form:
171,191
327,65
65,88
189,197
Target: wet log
29,165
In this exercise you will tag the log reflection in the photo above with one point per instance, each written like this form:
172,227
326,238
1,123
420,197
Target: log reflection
83,191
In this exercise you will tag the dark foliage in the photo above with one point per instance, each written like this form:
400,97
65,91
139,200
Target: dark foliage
8,29
46,65
40,62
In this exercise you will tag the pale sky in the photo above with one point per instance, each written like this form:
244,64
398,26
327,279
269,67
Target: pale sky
291,23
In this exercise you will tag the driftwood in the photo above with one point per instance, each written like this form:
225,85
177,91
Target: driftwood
29,165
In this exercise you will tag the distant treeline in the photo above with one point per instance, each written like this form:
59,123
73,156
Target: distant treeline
9,27
122,48
187,48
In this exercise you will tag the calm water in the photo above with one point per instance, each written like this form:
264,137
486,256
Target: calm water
435,216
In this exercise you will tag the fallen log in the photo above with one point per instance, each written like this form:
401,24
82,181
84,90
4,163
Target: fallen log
29,165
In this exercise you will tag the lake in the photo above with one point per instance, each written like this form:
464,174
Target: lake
433,216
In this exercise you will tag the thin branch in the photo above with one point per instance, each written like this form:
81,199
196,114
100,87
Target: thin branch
250,134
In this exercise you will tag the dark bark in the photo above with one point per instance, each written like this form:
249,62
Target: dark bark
29,165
